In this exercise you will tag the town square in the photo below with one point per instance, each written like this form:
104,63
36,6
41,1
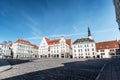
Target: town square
60,40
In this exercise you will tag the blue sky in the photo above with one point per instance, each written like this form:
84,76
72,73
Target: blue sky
33,19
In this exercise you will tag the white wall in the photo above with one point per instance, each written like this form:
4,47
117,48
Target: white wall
54,49
105,53
43,48
22,50
83,50
4,50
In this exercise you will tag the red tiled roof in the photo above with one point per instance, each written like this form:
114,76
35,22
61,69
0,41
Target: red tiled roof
22,41
35,46
68,41
47,39
25,42
56,41
107,45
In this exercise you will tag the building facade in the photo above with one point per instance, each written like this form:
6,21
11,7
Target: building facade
23,49
84,47
107,49
35,51
5,51
58,48
117,10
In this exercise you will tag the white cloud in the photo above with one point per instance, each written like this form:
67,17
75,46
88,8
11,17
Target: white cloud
105,30
72,34
28,17
32,24
75,29
33,38
56,35
34,30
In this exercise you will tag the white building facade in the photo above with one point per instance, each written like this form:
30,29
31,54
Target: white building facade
58,48
84,48
5,50
44,48
22,49
107,49
35,51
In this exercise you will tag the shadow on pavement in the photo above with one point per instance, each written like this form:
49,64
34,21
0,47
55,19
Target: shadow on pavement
17,61
3,63
78,70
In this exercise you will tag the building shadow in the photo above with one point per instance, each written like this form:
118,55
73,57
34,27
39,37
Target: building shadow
78,70
17,61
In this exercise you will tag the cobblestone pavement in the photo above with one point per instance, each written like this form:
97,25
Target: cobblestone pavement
4,65
55,69
111,71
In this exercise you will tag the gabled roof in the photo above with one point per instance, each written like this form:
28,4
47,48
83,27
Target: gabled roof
47,40
22,41
26,42
56,41
107,45
83,40
35,46
68,41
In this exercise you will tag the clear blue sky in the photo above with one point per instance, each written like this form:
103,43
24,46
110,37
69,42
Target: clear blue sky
34,19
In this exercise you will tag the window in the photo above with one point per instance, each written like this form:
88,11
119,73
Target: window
81,50
57,51
88,49
74,50
92,49
102,53
111,49
92,45
87,45
101,50
78,50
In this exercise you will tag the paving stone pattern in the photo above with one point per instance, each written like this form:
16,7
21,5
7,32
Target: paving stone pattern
111,70
55,69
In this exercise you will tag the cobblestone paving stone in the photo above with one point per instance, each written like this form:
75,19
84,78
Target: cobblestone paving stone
55,69
111,71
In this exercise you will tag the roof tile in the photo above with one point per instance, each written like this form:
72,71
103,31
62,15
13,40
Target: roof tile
107,45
